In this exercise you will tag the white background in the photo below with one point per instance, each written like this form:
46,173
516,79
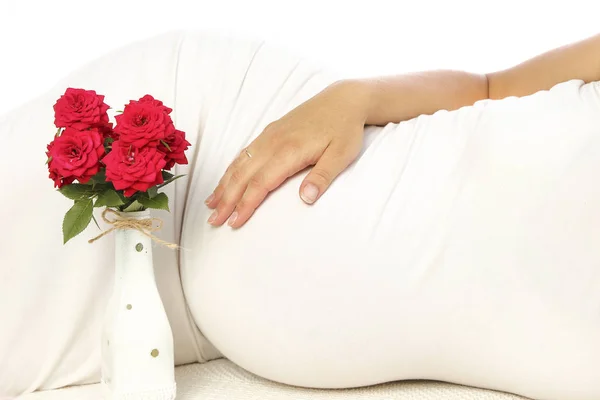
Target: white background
42,40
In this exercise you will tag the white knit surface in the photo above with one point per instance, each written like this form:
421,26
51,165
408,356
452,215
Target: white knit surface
164,393
222,380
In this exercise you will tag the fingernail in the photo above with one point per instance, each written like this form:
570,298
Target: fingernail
213,216
209,198
232,218
309,193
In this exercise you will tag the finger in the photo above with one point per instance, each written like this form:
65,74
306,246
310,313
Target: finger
238,163
262,147
333,161
286,163
234,189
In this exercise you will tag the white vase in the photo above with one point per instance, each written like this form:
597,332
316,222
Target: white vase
137,342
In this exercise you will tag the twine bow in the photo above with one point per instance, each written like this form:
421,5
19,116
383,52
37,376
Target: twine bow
141,225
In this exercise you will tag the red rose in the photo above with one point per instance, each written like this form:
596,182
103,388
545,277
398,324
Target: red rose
59,181
143,124
133,169
75,155
147,99
177,145
80,109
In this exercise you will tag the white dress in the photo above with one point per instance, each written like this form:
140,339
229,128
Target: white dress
460,247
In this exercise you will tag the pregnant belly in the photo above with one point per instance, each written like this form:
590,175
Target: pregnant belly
440,253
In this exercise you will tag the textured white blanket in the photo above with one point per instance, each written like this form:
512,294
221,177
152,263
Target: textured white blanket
223,380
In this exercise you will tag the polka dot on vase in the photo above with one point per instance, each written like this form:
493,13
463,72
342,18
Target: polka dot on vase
139,247
129,306
154,353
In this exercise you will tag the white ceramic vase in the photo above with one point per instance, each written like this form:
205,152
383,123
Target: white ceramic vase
137,342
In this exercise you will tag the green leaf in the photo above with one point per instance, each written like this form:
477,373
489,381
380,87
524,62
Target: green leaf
49,159
128,202
169,181
122,196
57,133
160,202
135,206
77,219
96,222
109,198
77,191
100,177
153,191
167,175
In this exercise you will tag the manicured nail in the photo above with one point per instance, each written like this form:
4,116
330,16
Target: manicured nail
209,198
232,218
309,193
213,216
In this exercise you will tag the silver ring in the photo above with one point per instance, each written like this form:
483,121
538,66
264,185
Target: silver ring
247,153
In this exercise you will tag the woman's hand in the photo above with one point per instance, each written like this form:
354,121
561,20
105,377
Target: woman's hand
326,131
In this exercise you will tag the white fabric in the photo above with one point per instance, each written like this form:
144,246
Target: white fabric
223,380
459,247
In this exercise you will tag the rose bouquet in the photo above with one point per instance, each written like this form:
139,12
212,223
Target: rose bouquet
96,165
122,169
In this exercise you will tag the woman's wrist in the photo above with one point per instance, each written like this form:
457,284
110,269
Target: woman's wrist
359,95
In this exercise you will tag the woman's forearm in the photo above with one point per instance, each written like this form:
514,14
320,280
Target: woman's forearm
398,98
